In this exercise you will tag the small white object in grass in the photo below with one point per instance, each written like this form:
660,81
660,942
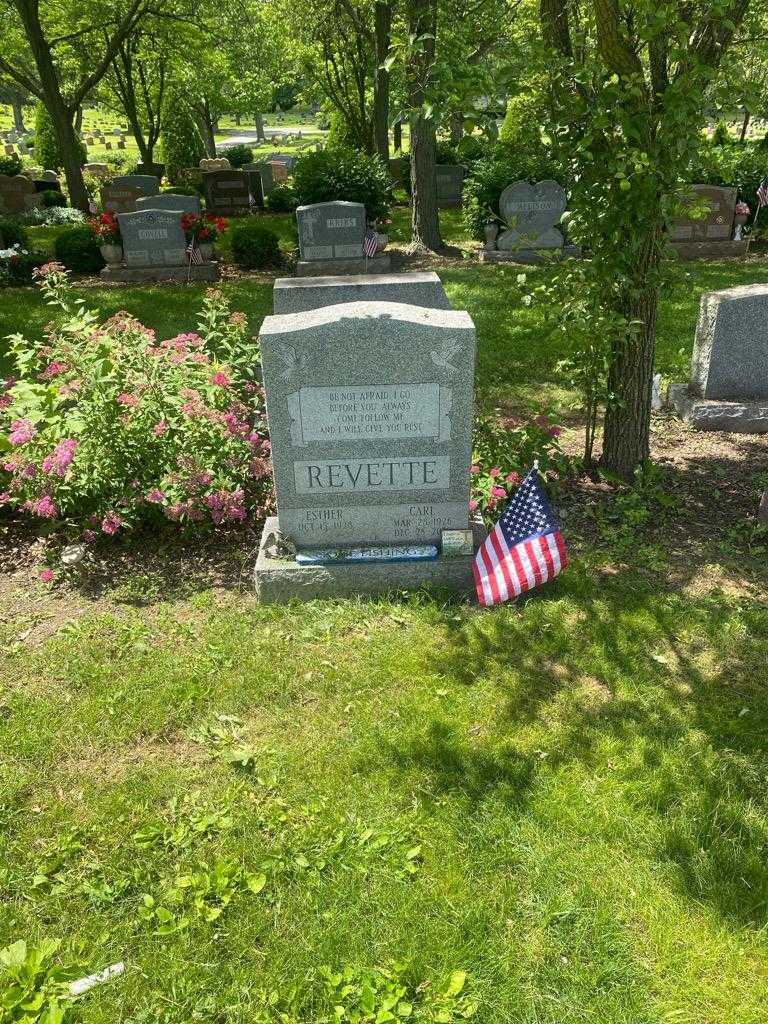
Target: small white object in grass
73,553
656,402
90,981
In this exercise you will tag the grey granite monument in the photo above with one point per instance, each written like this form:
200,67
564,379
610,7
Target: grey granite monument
154,248
145,184
226,192
298,294
370,409
331,241
530,213
169,201
450,182
728,388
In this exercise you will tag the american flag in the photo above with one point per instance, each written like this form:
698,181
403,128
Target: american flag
193,252
370,243
523,550
762,192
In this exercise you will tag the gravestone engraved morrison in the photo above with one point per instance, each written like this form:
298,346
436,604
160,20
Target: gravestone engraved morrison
530,213
728,388
370,417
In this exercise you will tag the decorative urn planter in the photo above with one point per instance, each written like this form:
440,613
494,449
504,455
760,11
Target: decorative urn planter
491,231
206,251
381,241
113,254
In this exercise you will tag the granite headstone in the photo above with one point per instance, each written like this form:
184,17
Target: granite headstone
416,288
329,231
264,171
226,192
153,238
450,181
17,194
370,418
531,213
169,201
716,225
145,184
119,198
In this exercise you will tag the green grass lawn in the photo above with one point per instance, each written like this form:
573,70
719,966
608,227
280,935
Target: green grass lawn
565,799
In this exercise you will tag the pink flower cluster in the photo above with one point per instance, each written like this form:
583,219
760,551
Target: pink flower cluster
60,458
22,431
43,507
542,422
227,506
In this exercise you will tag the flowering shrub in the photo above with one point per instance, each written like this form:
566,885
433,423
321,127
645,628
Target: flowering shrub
105,427
504,451
205,229
106,228
54,215
17,265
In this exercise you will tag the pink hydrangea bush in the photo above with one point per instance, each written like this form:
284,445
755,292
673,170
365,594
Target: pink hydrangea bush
504,450
106,427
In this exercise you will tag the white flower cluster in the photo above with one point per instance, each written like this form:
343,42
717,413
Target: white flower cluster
15,250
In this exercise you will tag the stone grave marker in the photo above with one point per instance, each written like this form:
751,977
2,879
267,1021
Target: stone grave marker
728,387
255,186
169,201
532,211
97,170
147,184
330,231
711,235
155,169
215,164
265,173
119,198
279,171
153,238
450,181
9,149
416,288
370,408
17,194
226,192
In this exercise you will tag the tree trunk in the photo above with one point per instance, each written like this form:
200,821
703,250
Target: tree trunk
205,127
626,437
237,120
60,114
744,126
425,222
18,116
260,136
79,120
456,129
382,29
397,136
425,219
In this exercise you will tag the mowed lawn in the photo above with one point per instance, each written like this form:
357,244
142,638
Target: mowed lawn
565,799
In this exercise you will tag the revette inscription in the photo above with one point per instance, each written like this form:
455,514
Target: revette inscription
324,476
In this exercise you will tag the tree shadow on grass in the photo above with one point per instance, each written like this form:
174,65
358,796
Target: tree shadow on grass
678,689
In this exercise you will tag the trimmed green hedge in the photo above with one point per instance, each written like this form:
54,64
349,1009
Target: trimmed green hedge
78,250
344,174
254,245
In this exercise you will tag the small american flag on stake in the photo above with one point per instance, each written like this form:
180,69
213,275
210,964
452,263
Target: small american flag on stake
762,192
370,243
523,550
193,252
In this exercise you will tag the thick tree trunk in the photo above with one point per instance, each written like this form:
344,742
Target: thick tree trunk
456,129
744,126
260,136
205,127
61,115
237,120
425,222
18,116
382,30
626,437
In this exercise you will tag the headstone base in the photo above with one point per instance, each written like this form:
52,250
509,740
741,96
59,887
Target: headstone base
718,414
128,275
528,256
380,264
701,250
278,580
295,295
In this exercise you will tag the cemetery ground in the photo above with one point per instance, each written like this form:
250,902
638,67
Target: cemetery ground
564,798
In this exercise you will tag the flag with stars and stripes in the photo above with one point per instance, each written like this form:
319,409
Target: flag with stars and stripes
523,550
370,243
193,252
762,192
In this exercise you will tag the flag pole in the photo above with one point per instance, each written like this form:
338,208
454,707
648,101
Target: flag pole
752,226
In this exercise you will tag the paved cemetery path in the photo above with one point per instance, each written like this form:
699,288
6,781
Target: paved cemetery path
251,135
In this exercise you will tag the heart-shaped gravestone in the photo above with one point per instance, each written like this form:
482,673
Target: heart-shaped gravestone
532,210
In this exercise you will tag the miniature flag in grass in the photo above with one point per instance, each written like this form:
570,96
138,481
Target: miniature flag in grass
762,192
370,243
523,550
193,252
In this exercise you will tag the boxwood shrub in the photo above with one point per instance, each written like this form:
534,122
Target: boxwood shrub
282,199
78,250
254,245
12,232
238,155
343,174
